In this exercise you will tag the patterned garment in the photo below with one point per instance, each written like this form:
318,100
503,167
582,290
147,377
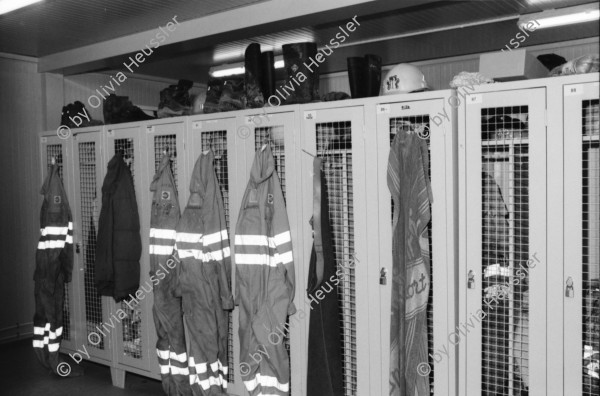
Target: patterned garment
408,182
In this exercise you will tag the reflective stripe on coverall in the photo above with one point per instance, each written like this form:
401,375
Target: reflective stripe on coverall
168,319
265,279
204,277
53,267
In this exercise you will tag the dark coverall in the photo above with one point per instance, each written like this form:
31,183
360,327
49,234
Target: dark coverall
168,315
324,344
265,279
204,277
53,267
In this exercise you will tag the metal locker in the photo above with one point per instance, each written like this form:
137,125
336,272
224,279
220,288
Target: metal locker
160,137
433,118
89,168
337,135
279,129
502,276
132,317
219,134
581,271
54,147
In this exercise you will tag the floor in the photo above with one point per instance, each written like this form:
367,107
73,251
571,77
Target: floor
22,375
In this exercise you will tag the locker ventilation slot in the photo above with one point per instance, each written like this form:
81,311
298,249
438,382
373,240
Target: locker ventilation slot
55,150
420,124
217,140
89,208
131,324
505,251
591,248
274,135
334,145
168,143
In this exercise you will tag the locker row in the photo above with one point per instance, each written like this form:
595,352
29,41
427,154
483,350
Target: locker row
501,239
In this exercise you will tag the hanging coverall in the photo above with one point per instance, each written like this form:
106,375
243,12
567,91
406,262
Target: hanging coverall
53,268
265,279
204,278
168,315
324,342
409,185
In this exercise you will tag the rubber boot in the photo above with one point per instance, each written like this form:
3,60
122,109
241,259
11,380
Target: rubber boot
267,60
253,76
373,75
302,82
357,72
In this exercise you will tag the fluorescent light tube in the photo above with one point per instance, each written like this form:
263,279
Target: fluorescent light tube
562,16
238,68
7,6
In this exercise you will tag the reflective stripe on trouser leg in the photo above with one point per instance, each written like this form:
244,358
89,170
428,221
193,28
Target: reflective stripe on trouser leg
207,334
47,322
172,357
264,350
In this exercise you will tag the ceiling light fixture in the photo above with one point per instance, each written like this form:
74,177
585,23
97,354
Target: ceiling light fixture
233,69
7,6
562,16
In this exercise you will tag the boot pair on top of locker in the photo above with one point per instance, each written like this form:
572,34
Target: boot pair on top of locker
265,279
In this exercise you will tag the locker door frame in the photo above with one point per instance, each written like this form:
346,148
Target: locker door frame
470,351
354,111
82,135
573,95
442,138
246,124
46,139
148,130
133,131
196,126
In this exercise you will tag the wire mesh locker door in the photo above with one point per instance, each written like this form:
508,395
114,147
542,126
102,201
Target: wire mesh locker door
423,118
131,316
582,240
164,139
89,170
219,136
277,130
337,135
505,244
53,147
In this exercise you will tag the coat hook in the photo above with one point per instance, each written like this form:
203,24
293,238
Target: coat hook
312,155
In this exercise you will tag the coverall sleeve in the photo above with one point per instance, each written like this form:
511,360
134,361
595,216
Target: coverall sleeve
67,254
283,241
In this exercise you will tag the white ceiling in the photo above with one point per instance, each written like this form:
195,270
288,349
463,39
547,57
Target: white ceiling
62,32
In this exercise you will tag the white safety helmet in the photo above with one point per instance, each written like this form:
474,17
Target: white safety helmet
403,78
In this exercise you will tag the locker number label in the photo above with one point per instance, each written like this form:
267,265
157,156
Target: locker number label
150,129
197,125
473,99
383,109
43,139
573,90
310,115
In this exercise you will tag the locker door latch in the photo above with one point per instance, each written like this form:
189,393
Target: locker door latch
569,291
471,280
78,247
383,276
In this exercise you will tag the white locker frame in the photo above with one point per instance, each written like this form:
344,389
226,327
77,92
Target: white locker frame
440,107
553,353
372,229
